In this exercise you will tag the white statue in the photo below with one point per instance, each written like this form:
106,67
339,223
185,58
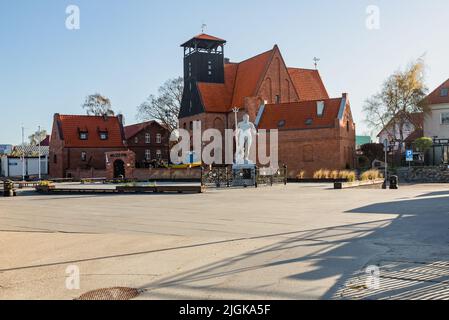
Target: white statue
244,140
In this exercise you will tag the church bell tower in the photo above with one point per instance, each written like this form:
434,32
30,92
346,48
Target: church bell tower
203,62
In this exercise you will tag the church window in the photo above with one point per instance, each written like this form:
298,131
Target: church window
278,99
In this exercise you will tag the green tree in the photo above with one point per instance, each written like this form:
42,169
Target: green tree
98,105
37,137
423,145
402,93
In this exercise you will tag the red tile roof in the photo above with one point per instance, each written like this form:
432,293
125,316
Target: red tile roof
71,125
217,97
204,36
308,83
132,130
242,80
435,97
296,114
248,75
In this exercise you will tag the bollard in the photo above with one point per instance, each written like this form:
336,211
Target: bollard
394,182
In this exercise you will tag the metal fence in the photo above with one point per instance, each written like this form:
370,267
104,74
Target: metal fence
226,177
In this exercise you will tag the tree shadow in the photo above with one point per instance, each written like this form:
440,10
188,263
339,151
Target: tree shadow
410,250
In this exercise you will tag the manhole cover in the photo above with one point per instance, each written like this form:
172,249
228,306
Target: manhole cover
117,293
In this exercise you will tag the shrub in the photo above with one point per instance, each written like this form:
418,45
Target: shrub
318,174
301,174
371,175
335,174
350,176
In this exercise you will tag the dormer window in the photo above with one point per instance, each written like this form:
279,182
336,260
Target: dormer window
444,92
83,135
320,108
103,135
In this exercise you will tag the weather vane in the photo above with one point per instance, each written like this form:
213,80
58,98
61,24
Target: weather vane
203,27
316,60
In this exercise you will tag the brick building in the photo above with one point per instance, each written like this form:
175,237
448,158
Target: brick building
315,131
150,143
79,145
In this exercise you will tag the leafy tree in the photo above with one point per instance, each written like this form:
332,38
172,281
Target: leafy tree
373,151
402,93
164,107
98,105
423,144
37,137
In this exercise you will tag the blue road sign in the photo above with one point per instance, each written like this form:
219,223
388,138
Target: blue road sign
409,155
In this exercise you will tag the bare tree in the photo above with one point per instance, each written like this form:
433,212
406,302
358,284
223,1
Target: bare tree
164,107
37,137
98,105
402,93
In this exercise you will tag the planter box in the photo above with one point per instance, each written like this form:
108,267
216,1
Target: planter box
355,184
45,189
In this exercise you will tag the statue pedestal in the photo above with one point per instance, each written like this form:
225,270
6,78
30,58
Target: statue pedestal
244,175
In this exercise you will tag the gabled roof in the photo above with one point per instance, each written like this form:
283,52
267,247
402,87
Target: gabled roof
132,130
243,80
69,127
300,115
249,73
308,83
415,118
435,97
205,38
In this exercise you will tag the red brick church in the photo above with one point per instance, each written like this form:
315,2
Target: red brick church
315,131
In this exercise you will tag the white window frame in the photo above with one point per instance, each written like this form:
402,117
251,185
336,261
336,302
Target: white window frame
159,138
158,153
442,116
147,154
136,139
147,138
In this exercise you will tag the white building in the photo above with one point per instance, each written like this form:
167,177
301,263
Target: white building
411,130
436,122
14,166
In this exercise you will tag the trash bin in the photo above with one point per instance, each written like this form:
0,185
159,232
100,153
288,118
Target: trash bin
394,182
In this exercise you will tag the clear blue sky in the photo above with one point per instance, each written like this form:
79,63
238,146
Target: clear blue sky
126,49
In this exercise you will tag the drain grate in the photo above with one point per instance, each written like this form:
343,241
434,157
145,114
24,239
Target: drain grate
116,293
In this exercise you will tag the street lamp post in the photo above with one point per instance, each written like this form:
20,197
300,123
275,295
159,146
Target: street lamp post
39,152
386,162
23,153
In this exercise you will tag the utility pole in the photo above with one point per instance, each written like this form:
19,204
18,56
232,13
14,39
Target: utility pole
23,153
39,151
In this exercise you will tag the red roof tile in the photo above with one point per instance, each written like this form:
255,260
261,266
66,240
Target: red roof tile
242,80
217,97
204,36
296,114
248,75
435,97
308,83
70,125
132,130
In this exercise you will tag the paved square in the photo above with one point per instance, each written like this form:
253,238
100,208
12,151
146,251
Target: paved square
294,242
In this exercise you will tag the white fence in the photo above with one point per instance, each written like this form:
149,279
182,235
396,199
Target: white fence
16,167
